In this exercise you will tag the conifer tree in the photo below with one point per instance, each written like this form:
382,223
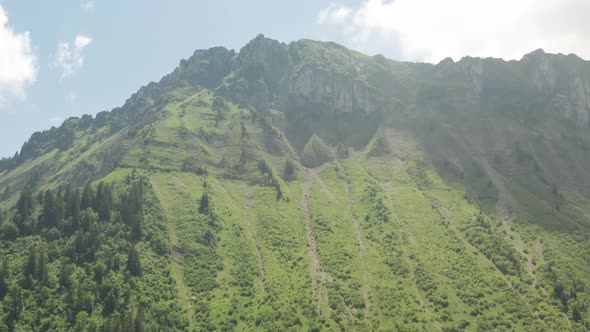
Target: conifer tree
30,268
4,274
103,202
42,271
133,262
289,170
65,273
24,206
87,197
52,210
139,321
204,204
74,208
132,209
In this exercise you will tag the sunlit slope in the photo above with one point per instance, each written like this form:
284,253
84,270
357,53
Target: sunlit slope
360,242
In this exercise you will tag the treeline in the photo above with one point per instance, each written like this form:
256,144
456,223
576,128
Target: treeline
72,260
68,210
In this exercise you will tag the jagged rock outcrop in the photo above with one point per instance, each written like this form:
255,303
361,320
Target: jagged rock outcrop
258,69
206,68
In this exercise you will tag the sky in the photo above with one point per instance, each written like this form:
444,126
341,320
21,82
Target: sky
73,57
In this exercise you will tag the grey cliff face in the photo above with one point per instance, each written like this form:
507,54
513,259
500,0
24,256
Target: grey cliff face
564,80
333,91
206,68
257,71
579,99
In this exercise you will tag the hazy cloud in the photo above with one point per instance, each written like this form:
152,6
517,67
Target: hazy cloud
69,56
17,61
71,98
334,14
87,5
431,30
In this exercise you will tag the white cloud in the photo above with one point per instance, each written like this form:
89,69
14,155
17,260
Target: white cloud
334,14
431,30
18,67
87,5
69,57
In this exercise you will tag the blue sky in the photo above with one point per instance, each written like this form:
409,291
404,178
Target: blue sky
132,43
73,57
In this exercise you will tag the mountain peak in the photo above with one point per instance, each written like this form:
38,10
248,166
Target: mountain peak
536,54
446,61
538,51
248,185
206,68
260,42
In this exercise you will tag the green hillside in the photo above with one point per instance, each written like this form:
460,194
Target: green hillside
308,187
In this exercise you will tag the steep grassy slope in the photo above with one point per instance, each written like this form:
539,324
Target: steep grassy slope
309,187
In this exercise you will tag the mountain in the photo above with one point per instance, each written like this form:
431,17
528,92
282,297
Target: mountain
306,186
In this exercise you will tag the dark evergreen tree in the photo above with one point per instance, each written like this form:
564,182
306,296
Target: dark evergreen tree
40,197
72,198
87,197
576,314
116,264
133,262
139,321
204,207
263,167
52,210
65,272
131,207
4,275
42,272
30,268
103,202
24,205
74,208
16,294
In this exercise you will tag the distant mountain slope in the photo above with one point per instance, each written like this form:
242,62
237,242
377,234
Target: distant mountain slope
310,187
